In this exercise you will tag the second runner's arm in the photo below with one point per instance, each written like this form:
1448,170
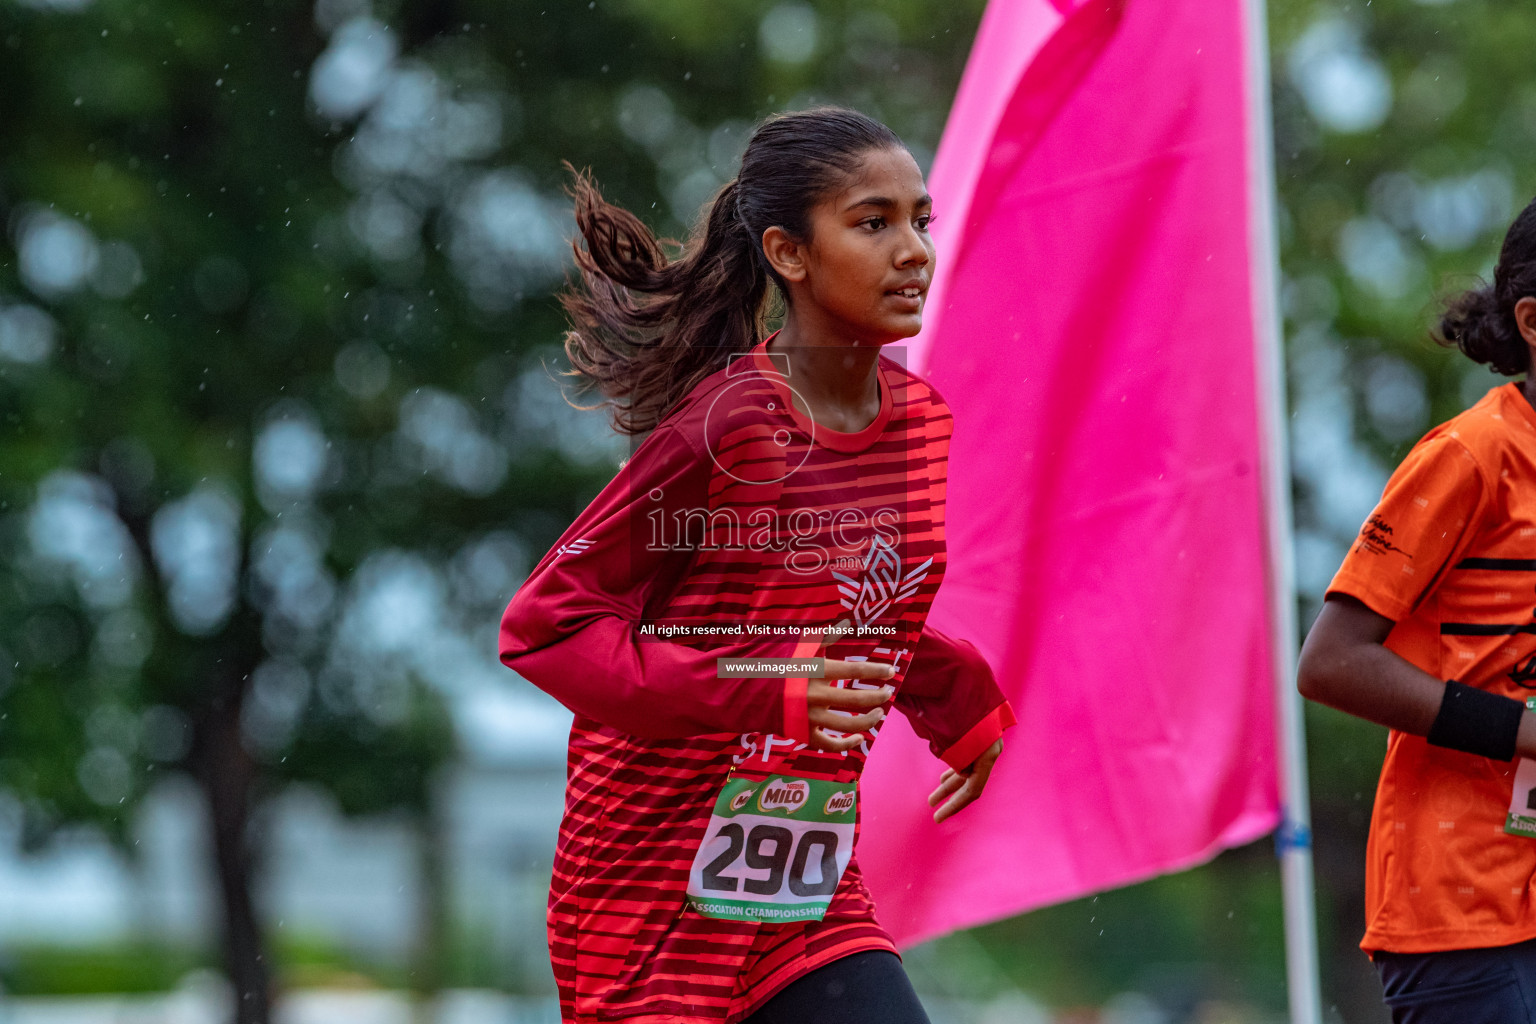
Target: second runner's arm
1428,516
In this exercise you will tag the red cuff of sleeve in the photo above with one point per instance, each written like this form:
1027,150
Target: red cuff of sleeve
797,713
979,737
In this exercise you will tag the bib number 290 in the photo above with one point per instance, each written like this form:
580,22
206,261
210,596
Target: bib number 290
774,851
816,846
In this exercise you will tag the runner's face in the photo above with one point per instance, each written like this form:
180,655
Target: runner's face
870,258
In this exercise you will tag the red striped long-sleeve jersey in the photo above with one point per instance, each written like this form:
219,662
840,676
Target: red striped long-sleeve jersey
735,524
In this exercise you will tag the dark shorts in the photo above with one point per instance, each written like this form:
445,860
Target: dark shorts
862,988
1461,986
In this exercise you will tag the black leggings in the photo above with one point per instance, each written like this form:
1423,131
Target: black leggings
862,988
1461,986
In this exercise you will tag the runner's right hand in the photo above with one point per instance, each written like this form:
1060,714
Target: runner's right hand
831,706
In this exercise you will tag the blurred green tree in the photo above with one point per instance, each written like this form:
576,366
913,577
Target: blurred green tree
274,313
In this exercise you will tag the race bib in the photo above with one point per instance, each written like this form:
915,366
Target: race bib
1522,802
775,849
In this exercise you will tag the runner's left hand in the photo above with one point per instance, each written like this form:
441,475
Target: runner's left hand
957,789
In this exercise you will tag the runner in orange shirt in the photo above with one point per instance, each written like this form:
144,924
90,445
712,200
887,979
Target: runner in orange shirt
1430,628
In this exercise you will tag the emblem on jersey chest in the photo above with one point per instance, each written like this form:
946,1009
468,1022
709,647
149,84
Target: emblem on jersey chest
880,582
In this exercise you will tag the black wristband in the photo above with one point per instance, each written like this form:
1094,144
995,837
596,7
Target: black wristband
1477,722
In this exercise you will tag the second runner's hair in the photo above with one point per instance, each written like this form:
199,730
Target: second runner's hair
1481,321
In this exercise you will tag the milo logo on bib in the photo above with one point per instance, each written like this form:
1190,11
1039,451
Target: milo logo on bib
784,796
839,803
774,850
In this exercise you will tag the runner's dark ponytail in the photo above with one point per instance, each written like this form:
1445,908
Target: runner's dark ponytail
1481,322
645,330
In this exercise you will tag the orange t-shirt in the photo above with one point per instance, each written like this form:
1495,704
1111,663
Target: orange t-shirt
1450,556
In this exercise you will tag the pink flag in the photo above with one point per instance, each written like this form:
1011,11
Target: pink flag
1092,326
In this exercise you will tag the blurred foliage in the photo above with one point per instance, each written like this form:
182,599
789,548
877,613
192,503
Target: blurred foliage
274,315
300,961
94,969
1180,939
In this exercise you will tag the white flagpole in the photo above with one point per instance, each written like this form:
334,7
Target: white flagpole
1294,840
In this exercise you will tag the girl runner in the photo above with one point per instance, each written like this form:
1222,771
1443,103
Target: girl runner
1428,629
787,501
